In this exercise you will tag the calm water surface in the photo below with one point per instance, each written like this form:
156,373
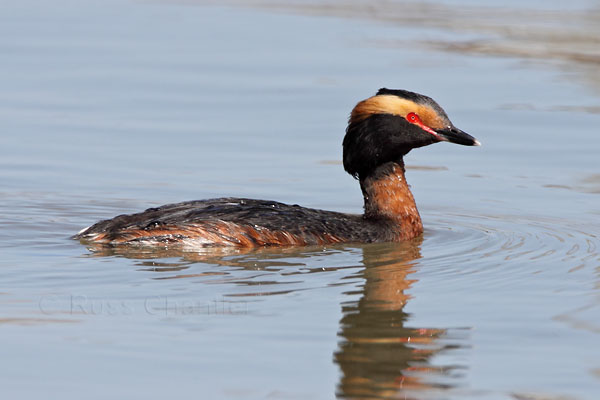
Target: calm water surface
113,107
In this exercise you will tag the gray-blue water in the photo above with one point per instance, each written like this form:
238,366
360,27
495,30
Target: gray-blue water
112,107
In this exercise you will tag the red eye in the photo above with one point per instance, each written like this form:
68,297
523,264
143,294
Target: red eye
413,118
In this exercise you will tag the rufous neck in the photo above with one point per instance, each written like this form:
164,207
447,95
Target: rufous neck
388,197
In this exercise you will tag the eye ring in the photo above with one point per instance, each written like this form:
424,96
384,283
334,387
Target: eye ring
413,118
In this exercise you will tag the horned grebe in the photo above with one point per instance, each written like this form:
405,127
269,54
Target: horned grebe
381,130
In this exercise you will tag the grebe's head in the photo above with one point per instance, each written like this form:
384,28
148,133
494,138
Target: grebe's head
385,127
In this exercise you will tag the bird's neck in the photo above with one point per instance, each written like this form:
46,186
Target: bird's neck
388,197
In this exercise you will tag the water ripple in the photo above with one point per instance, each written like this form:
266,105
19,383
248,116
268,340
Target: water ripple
493,240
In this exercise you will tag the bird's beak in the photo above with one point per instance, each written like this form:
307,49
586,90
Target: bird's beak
457,136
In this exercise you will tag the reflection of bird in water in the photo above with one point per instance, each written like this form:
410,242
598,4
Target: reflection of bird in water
378,355
381,130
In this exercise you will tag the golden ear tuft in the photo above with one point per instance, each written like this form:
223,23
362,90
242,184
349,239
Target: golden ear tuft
394,105
382,104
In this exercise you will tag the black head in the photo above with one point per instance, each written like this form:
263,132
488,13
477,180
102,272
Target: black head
385,127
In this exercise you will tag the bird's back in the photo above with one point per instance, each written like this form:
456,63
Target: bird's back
232,222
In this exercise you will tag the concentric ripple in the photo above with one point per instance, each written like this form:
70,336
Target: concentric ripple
499,238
